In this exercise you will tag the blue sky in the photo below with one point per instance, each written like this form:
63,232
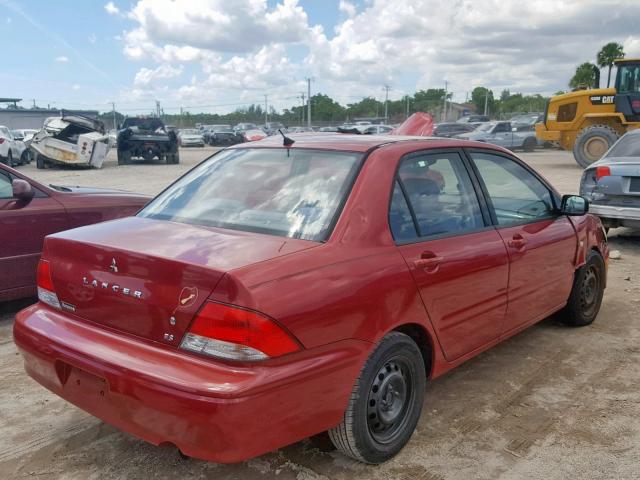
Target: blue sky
87,54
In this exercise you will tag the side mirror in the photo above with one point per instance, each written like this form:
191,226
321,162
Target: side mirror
22,190
574,205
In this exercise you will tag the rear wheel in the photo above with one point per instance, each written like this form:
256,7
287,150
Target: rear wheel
385,404
10,159
40,163
592,143
586,295
124,158
529,144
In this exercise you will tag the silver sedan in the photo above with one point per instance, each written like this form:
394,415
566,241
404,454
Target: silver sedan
612,184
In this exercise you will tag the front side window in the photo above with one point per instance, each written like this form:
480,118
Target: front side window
516,194
439,191
290,193
6,189
502,128
629,79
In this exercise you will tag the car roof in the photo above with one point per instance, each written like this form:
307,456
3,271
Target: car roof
361,143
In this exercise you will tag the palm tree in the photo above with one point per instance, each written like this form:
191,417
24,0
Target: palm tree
607,55
585,76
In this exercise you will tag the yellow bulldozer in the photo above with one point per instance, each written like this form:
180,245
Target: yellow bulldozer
590,121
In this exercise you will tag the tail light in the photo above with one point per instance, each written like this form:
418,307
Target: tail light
602,172
236,334
1,140
46,291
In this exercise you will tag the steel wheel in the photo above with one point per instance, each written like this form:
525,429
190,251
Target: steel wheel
389,398
385,403
595,148
589,290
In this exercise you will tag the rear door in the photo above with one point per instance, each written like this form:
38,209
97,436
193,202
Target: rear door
23,227
541,243
457,259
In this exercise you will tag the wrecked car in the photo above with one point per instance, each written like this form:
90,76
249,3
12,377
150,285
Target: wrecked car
70,139
147,138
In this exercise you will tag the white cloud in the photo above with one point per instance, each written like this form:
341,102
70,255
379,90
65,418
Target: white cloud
247,45
92,38
61,59
111,9
75,86
146,76
347,8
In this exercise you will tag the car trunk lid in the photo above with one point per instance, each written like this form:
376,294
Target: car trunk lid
150,277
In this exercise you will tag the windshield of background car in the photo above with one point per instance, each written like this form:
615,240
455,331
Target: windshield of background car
147,124
627,146
295,193
190,132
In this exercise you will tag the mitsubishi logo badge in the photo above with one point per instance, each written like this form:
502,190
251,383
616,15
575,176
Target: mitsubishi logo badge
114,266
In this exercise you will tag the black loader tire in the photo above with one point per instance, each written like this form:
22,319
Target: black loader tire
592,143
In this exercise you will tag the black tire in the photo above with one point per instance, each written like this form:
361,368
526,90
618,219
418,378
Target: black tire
529,144
173,158
385,404
25,158
592,143
10,159
124,158
40,163
586,295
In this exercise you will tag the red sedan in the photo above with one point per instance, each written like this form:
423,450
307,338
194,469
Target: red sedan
29,211
274,292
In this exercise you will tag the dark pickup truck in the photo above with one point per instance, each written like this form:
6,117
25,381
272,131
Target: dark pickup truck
146,138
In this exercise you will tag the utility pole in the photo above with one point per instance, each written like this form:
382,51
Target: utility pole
444,105
181,111
309,102
486,99
407,106
266,109
386,103
302,109
158,108
113,108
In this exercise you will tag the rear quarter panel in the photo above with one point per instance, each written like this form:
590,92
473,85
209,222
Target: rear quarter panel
591,235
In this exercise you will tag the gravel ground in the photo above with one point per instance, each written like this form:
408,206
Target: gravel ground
551,403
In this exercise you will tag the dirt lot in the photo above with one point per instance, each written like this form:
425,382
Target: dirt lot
550,403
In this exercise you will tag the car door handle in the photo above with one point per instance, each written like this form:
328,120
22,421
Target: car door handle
428,261
517,241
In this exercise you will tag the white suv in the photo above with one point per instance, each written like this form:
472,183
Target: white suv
9,149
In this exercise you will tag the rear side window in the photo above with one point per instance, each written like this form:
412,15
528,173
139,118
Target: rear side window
567,113
438,191
293,193
516,194
627,146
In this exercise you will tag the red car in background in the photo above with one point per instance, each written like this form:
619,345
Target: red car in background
29,211
276,292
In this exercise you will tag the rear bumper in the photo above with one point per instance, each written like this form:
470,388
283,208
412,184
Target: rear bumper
610,211
209,410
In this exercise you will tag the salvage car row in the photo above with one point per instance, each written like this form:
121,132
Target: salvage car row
297,285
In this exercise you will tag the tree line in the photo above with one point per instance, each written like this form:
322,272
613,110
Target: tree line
325,109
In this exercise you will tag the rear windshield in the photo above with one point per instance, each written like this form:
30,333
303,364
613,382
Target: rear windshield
627,146
296,193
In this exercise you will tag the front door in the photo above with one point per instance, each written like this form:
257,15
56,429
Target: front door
541,243
23,227
458,261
